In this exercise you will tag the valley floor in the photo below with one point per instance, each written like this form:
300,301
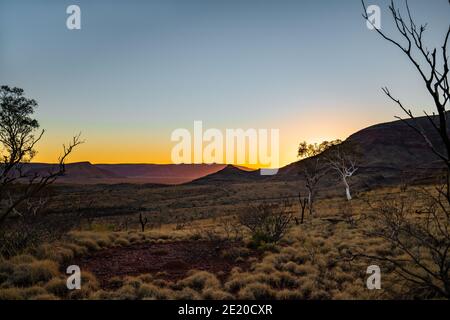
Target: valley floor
206,259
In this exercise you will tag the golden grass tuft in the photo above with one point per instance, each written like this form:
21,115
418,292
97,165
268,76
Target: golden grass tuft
57,287
121,242
39,271
54,252
89,285
257,291
11,294
287,294
150,291
90,244
22,258
198,280
46,296
186,294
216,294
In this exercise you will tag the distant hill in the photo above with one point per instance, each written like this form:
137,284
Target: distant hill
392,152
74,171
161,173
231,174
87,173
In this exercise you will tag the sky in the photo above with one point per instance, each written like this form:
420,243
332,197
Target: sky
138,70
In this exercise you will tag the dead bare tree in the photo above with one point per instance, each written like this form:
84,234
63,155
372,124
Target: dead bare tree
435,78
424,241
343,159
267,222
18,139
231,228
422,236
303,205
33,223
313,167
143,221
84,211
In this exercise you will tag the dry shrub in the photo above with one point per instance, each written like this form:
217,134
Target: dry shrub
307,287
235,253
216,294
22,258
291,267
76,249
267,222
57,287
11,294
320,294
266,266
116,282
307,269
127,292
6,268
186,294
354,290
31,292
102,295
289,295
275,280
283,280
420,232
237,280
161,283
134,238
231,229
199,280
341,277
142,287
54,252
146,278
90,244
150,291
257,291
89,285
133,281
32,273
121,242
46,296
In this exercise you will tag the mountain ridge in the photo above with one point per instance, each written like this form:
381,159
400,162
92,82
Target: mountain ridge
389,150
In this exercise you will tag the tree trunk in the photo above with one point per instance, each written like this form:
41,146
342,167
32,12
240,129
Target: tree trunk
303,215
310,203
143,221
347,190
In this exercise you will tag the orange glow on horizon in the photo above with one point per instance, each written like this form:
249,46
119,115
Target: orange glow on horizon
129,149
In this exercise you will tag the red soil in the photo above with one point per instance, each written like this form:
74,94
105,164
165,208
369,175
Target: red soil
175,259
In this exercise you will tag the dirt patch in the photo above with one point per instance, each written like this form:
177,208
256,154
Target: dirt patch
172,260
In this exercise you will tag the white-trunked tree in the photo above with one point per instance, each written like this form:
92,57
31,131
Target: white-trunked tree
313,167
343,159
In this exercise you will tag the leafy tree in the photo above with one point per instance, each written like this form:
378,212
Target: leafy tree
19,134
313,168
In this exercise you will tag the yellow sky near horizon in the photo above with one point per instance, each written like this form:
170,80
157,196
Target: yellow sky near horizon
130,147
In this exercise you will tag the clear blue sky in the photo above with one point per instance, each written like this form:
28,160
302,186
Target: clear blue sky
139,69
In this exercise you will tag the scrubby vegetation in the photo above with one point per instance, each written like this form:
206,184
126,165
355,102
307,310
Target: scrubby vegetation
315,260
